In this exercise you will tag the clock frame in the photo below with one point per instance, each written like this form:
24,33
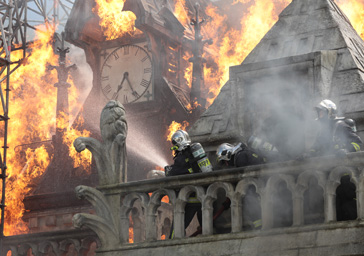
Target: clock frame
127,74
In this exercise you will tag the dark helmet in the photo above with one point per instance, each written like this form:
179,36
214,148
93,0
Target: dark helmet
328,107
180,140
351,123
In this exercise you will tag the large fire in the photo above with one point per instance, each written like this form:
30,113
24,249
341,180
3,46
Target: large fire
33,96
231,44
114,22
32,121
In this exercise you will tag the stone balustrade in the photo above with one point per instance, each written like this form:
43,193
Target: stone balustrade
289,196
291,193
60,243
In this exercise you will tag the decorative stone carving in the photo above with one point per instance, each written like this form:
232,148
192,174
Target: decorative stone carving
103,223
110,155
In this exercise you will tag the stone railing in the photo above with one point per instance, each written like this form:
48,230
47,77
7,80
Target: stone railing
299,193
290,193
59,243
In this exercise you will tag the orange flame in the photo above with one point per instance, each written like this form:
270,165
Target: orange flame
354,10
180,11
173,127
82,159
32,119
232,45
114,22
131,230
165,199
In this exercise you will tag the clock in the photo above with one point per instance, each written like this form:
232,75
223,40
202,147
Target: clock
126,75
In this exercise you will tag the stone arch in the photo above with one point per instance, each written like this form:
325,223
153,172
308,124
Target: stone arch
89,246
12,249
126,207
179,207
129,200
44,247
279,200
246,205
218,197
69,246
24,248
155,199
154,203
333,183
335,175
309,198
243,185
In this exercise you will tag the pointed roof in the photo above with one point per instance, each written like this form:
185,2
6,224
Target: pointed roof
304,28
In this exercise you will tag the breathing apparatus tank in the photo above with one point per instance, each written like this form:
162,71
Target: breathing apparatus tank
199,155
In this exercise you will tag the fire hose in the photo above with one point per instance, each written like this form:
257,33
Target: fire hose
225,206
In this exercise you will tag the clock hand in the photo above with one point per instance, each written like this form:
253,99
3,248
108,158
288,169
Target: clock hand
120,86
127,79
136,95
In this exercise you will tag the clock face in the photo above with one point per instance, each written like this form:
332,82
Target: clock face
126,74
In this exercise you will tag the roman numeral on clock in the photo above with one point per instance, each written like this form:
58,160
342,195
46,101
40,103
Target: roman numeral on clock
107,89
136,95
144,83
116,55
144,59
126,50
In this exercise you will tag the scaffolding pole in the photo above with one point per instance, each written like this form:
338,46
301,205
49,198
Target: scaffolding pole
16,16
13,29
6,29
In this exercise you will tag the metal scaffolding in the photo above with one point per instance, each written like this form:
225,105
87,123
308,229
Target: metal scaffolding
18,22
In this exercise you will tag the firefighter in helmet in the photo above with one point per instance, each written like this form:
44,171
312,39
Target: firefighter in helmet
238,156
337,135
189,158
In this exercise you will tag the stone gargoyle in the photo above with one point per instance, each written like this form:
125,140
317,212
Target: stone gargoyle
109,155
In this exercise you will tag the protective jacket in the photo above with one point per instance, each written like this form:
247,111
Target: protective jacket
336,136
245,156
184,163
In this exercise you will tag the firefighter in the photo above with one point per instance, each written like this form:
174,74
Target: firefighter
237,156
337,135
189,159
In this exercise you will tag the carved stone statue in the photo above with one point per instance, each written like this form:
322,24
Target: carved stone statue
110,155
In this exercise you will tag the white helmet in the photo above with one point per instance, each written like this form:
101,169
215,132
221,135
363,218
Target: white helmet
329,107
225,151
180,140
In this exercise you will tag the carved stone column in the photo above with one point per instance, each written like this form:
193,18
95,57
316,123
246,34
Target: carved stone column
297,208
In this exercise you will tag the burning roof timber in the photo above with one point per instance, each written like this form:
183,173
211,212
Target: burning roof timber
83,27
311,53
